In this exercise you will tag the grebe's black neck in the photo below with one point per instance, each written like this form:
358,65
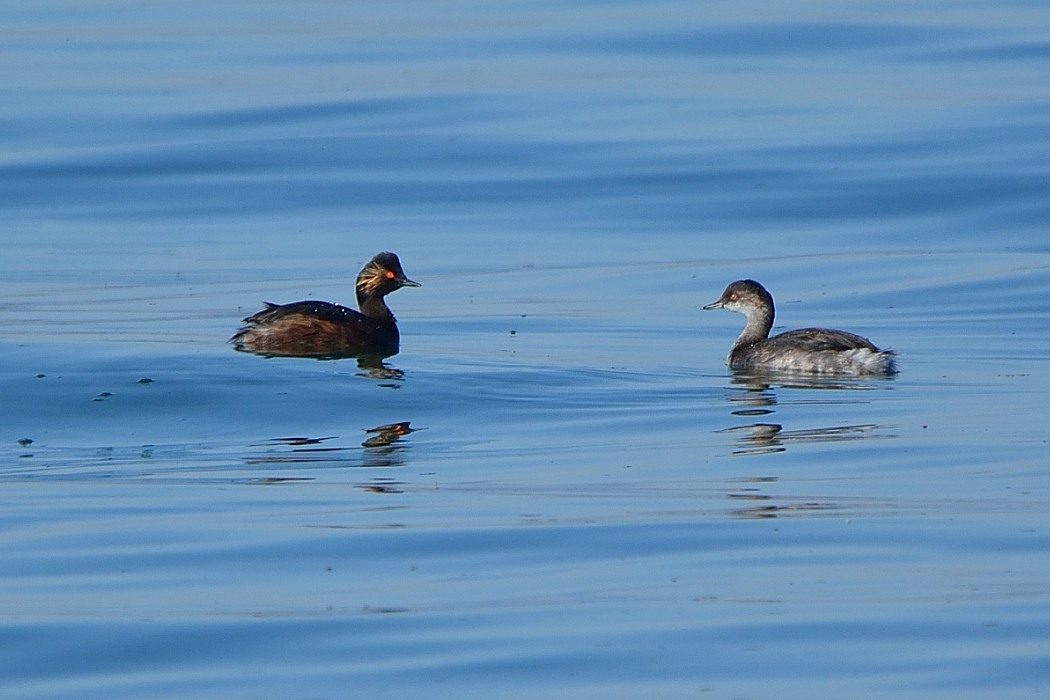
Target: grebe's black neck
375,307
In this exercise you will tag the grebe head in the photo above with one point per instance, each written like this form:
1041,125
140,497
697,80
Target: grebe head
745,297
382,275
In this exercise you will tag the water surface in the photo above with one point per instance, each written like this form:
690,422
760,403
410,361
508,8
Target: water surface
591,504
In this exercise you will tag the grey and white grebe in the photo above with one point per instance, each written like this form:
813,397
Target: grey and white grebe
808,350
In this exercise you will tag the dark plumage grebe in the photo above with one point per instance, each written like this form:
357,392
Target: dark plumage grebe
320,329
811,350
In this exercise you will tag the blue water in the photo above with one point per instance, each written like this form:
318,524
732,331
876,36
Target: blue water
591,505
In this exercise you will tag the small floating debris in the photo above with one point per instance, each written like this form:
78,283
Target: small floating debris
299,441
753,412
379,488
25,442
303,450
103,396
369,610
145,380
382,485
273,480
773,511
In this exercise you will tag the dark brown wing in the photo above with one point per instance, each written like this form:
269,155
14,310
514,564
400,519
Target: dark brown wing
315,329
820,339
320,310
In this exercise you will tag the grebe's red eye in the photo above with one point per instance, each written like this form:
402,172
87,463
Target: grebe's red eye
390,275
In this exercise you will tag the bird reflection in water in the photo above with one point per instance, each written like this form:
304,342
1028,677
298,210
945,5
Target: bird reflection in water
766,438
382,449
764,506
384,435
759,398
373,367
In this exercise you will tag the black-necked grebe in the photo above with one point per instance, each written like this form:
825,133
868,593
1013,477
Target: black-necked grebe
321,329
811,350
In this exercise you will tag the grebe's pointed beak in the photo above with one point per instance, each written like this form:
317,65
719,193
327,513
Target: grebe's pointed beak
405,282
714,305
